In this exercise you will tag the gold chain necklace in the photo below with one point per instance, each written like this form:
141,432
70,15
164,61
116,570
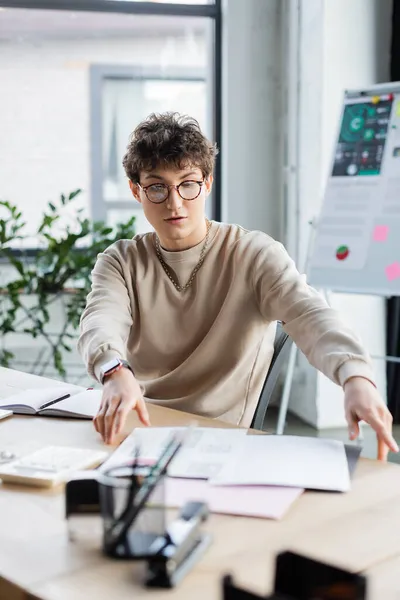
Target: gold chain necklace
182,288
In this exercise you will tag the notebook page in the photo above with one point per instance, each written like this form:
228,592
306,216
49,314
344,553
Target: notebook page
84,405
33,399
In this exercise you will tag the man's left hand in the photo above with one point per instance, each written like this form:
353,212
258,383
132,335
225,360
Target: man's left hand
363,403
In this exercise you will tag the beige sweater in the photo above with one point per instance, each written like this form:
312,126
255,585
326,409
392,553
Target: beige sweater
207,350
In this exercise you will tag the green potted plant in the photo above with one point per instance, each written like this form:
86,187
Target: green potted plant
60,269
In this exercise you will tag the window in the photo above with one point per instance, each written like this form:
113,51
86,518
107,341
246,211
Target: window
78,81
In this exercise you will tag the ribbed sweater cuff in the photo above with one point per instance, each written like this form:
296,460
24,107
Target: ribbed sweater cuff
355,368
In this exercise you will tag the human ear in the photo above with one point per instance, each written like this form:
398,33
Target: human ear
135,190
209,183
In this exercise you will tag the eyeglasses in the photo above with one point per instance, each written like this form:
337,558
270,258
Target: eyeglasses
159,192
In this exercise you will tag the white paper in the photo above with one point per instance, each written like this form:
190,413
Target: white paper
346,221
203,454
365,164
310,463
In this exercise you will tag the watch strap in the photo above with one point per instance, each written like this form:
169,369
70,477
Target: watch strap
119,365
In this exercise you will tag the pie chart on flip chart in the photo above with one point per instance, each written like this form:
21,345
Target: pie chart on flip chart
342,252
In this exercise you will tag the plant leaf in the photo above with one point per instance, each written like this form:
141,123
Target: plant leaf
74,194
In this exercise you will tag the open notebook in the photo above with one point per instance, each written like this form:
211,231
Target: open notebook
68,401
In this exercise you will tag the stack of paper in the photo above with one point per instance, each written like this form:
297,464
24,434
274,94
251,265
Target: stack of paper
237,473
205,453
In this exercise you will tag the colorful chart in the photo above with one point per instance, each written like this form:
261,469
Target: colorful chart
362,138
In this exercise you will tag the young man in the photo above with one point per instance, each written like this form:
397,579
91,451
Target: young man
185,317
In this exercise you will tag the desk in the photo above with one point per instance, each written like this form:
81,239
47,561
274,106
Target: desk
359,530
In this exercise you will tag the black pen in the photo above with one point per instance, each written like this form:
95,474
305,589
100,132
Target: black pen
54,401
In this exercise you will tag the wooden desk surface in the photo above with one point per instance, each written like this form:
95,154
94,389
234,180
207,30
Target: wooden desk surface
358,530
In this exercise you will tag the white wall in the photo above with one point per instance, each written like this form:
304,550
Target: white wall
252,80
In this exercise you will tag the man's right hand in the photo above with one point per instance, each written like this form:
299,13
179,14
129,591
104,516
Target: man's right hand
121,394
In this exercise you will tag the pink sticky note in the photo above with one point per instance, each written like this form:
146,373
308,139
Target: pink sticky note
393,271
380,233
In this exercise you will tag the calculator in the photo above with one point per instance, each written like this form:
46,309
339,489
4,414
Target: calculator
50,465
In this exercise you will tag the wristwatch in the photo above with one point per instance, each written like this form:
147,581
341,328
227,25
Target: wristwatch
112,366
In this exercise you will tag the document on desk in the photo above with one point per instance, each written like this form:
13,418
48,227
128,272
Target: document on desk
284,460
202,455
262,501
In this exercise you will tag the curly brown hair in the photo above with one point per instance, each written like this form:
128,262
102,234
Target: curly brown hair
168,140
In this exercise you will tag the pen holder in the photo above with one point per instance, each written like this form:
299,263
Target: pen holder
124,537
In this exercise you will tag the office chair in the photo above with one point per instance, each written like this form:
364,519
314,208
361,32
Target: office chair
282,347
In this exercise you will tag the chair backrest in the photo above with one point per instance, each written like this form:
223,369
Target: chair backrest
281,349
